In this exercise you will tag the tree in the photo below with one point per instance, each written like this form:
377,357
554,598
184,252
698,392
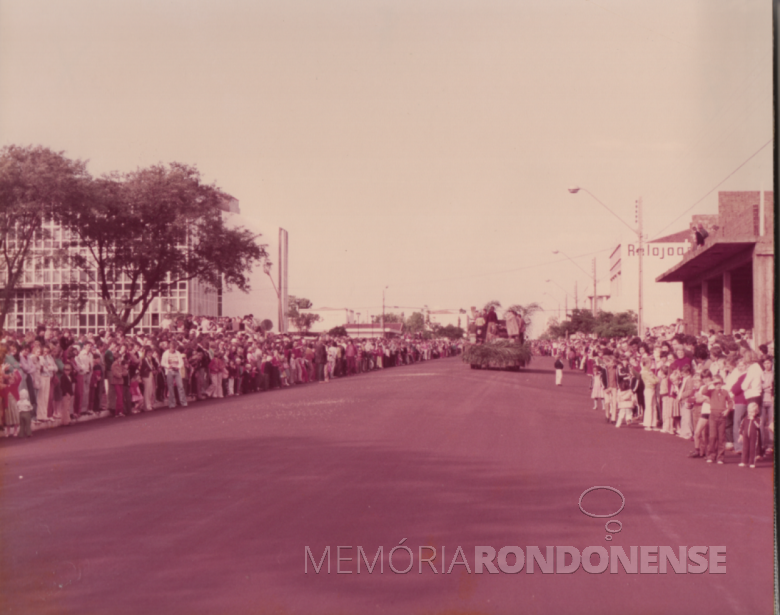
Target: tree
415,323
606,324
338,331
622,324
526,311
35,184
450,331
147,231
302,322
492,304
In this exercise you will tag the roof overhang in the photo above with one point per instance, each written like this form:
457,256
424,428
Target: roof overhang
699,262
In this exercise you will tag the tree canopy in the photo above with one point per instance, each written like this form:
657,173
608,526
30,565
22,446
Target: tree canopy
300,321
415,323
605,324
449,331
526,311
36,184
147,231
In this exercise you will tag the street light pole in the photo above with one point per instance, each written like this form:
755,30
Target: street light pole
267,270
640,322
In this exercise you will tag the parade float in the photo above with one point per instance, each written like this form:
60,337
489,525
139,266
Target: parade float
498,352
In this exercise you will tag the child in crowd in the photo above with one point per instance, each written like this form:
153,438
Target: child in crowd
249,380
66,387
721,406
25,414
667,394
625,402
9,391
232,375
675,380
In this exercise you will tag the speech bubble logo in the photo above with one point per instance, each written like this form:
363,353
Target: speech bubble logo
595,516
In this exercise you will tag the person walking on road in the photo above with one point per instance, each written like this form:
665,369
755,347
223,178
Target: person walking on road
558,371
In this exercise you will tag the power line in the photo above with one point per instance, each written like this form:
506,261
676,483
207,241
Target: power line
753,155
486,273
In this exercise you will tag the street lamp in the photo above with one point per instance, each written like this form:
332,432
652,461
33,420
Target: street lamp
267,271
640,252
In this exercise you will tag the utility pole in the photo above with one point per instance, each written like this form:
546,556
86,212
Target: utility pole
576,300
595,293
641,254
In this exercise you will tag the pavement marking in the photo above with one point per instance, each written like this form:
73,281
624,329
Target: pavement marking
410,375
735,605
659,522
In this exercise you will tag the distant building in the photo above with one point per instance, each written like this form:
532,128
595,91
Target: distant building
37,298
329,318
269,283
392,329
662,304
728,283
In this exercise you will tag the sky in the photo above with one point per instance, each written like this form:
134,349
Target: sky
423,148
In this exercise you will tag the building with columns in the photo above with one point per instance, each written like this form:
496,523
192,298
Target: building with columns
728,283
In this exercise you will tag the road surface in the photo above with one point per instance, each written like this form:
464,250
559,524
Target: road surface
210,509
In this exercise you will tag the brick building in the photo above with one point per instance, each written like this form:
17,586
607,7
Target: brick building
728,283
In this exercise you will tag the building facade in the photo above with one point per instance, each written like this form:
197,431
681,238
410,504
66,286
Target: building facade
662,303
39,298
728,283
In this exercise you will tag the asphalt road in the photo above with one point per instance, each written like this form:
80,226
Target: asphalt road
210,509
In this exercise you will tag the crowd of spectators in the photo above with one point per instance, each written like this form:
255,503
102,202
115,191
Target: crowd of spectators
52,377
714,390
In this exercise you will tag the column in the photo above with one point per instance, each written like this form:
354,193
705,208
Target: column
687,308
727,302
705,308
763,298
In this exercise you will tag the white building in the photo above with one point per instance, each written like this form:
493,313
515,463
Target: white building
268,284
662,302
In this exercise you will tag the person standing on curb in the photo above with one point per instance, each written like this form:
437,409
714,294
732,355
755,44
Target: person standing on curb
171,362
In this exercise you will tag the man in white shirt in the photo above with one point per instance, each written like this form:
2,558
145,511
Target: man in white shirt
172,362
